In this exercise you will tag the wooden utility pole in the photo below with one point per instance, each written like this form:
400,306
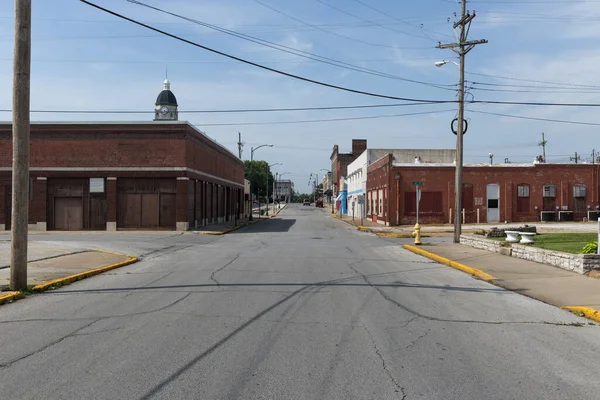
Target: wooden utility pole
543,144
461,48
576,158
20,131
240,144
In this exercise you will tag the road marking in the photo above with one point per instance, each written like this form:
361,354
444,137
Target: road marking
442,260
588,312
10,296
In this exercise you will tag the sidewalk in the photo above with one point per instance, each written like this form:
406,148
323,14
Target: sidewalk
551,285
223,228
52,266
447,230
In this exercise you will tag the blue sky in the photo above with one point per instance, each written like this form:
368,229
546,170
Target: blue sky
83,59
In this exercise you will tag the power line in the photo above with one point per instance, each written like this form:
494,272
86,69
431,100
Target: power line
259,65
398,19
291,50
321,29
533,86
366,20
531,80
326,120
536,118
239,110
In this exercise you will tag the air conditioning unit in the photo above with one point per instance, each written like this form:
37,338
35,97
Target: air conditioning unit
593,215
548,216
565,216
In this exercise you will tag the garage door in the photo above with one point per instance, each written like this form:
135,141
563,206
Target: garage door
146,210
68,213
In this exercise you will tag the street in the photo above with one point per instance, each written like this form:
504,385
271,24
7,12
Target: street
302,306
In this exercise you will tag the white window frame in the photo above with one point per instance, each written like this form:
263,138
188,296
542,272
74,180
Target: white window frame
521,192
579,190
549,191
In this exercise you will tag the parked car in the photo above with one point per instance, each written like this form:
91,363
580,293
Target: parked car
319,203
306,203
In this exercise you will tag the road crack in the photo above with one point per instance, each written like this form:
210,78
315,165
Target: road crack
213,276
51,344
400,388
417,314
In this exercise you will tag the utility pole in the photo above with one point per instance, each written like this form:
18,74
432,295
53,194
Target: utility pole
461,48
20,132
543,144
240,144
576,158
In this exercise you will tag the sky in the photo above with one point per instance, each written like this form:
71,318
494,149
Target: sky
86,59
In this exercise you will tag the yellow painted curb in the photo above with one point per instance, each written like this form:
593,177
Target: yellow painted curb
471,271
10,296
585,311
397,235
83,275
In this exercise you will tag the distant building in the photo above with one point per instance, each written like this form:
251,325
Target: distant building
284,190
340,162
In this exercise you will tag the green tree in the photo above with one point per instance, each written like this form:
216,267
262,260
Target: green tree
256,173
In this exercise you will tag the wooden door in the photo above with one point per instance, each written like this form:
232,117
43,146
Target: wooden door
167,210
149,210
98,213
68,213
129,215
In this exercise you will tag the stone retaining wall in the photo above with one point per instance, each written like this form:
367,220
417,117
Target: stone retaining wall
580,263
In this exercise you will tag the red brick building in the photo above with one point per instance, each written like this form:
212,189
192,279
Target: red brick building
490,193
115,175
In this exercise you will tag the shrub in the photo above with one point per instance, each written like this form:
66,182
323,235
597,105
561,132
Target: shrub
590,248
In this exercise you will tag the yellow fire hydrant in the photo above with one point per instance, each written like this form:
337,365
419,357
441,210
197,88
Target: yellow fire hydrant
417,234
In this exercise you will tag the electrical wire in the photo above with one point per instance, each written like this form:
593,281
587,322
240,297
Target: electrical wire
531,80
291,50
399,19
256,64
327,120
536,119
366,20
321,29
242,110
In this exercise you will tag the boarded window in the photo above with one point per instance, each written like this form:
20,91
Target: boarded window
579,192
523,199
467,197
431,203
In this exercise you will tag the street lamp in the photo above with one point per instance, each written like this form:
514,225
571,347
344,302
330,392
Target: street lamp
252,150
444,62
459,146
267,190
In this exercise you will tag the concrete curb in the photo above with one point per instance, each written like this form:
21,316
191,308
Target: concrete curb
588,312
10,296
86,274
217,233
442,260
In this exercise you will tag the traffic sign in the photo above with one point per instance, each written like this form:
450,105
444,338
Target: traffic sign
417,183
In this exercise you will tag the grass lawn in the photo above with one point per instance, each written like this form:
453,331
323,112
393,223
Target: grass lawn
565,242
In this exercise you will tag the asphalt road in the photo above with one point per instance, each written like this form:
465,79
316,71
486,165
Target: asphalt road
302,307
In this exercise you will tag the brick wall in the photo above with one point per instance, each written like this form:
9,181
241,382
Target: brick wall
441,179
